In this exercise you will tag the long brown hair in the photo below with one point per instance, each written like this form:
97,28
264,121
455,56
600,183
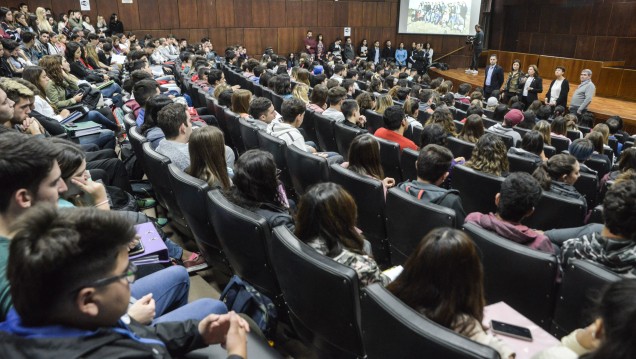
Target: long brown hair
443,279
207,157
329,212
473,129
443,117
52,64
241,101
364,157
554,169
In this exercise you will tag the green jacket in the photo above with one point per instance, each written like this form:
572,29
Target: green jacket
57,94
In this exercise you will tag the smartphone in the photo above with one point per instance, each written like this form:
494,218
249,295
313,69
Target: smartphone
511,330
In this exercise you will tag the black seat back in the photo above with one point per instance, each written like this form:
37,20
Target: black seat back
521,164
325,133
414,134
560,144
157,165
374,121
249,134
555,211
233,127
309,125
524,278
276,147
390,158
507,140
192,192
277,100
460,114
599,165
136,142
407,164
476,189
394,330
408,220
460,148
334,329
369,196
305,169
244,237
587,185
344,136
582,283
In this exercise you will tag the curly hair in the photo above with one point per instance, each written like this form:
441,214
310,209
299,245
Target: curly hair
52,64
443,117
489,155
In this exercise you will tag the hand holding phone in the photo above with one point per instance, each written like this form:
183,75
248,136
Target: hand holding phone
511,330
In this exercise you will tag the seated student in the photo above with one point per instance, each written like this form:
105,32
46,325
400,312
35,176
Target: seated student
615,245
443,117
326,221
614,127
351,112
558,175
262,112
318,99
473,129
70,281
489,156
241,102
293,113
433,166
149,128
517,200
626,162
511,119
531,147
174,121
443,280
336,96
412,110
611,335
364,159
207,159
394,126
143,91
257,188
598,154
559,129
582,149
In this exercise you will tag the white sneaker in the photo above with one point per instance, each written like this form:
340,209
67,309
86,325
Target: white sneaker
474,72
468,71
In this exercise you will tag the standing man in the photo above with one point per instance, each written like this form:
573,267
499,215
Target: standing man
478,45
583,94
310,44
494,77
348,52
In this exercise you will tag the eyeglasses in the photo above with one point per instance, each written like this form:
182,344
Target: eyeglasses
129,275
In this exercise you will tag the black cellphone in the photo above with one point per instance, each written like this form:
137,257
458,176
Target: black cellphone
511,330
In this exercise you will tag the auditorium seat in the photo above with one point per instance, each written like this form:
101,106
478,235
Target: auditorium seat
587,185
305,169
390,159
325,133
582,283
249,134
521,164
414,134
555,211
369,196
394,330
276,147
408,220
323,302
244,237
560,144
309,125
521,277
476,189
344,136
192,200
460,148
374,120
234,130
407,164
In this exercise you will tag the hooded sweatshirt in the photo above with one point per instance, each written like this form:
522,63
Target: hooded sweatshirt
431,193
515,232
566,190
287,133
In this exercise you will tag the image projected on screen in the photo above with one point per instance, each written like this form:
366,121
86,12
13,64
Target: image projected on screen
443,17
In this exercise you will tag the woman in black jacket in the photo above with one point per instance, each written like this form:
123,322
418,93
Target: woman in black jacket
115,26
561,87
531,86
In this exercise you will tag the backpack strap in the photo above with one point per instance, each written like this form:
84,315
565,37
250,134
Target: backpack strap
419,194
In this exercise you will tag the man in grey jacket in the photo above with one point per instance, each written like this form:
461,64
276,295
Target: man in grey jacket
583,94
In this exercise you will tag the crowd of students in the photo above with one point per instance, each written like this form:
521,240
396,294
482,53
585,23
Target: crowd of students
67,268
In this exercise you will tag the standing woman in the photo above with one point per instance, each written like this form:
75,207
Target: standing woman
558,91
532,86
512,84
428,53
115,26
320,47
363,50
401,55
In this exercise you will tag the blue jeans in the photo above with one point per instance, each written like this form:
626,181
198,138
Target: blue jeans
169,288
104,139
97,117
110,91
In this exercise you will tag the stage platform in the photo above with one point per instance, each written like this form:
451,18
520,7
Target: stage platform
602,107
